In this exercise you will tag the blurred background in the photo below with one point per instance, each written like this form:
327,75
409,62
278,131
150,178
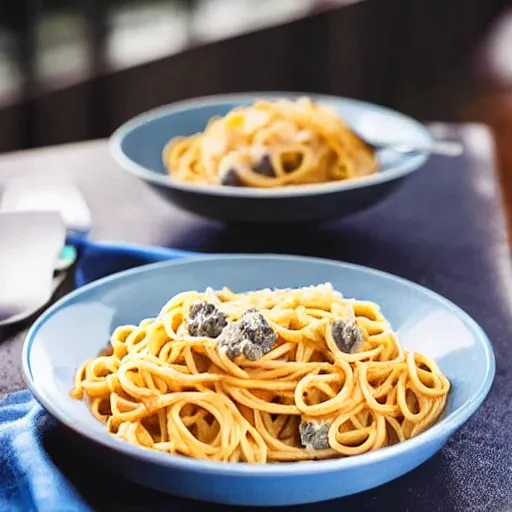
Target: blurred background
74,70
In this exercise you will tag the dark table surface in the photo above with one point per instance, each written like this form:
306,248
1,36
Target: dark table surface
444,228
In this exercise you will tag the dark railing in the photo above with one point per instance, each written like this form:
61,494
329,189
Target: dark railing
412,55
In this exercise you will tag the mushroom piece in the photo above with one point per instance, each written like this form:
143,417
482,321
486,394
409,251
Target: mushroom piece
251,336
205,319
347,336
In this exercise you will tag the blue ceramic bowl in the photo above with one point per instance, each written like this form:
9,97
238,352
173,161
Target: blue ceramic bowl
137,146
77,327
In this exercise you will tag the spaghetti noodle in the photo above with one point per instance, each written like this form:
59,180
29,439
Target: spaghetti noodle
271,144
262,376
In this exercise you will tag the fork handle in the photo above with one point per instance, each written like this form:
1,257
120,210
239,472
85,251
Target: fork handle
438,147
447,148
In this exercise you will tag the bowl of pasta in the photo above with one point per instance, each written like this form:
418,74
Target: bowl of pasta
258,380
270,157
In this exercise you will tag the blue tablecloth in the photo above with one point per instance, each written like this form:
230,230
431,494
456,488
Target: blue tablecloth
444,228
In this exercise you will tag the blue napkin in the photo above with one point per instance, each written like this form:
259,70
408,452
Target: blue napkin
29,480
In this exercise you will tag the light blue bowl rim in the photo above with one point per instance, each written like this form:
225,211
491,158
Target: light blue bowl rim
396,172
437,432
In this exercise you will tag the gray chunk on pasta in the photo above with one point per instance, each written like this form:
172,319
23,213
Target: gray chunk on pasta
251,336
205,320
314,434
264,167
230,178
347,336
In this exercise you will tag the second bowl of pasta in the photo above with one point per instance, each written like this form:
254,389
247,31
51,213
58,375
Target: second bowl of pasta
269,157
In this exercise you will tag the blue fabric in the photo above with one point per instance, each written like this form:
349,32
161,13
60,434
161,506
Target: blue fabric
29,480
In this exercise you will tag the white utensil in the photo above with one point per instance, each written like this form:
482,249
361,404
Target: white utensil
30,244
